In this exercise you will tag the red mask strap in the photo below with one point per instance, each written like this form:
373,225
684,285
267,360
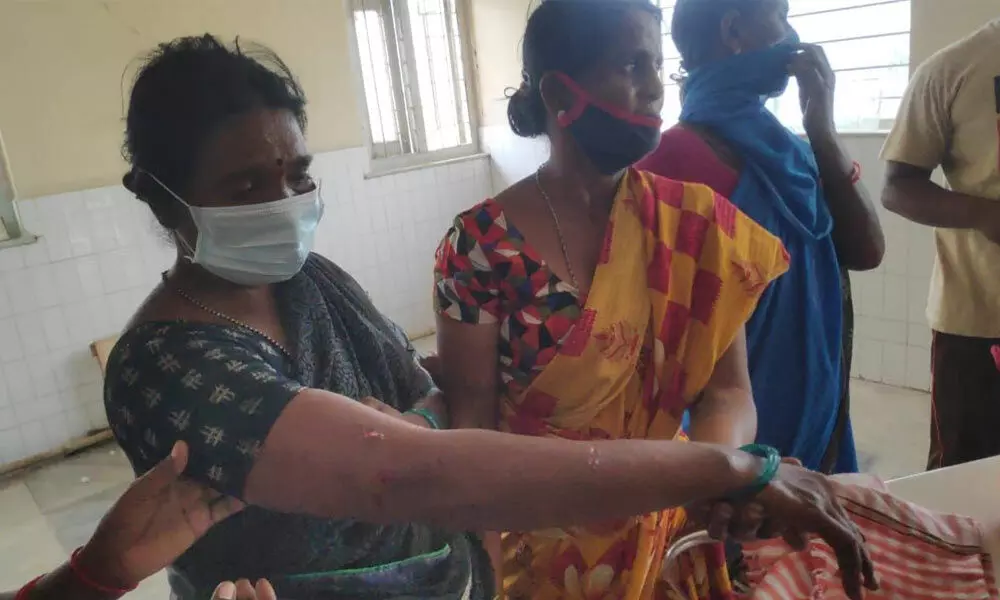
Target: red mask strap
582,99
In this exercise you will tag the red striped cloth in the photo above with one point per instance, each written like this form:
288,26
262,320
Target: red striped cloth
918,555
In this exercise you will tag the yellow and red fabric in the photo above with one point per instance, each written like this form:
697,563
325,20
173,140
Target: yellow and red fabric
680,273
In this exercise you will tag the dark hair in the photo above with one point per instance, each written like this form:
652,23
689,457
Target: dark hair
568,36
184,91
695,27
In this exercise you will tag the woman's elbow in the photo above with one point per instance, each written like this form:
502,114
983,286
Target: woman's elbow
870,258
862,252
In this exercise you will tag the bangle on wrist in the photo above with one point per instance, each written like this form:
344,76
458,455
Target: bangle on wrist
83,577
426,415
768,471
25,592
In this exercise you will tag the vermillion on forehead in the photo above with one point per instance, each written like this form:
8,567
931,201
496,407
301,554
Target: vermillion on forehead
259,147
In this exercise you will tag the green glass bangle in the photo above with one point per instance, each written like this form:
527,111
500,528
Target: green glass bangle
772,462
427,415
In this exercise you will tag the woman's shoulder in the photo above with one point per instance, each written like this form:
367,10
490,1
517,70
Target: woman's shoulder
684,154
478,217
481,228
673,191
163,343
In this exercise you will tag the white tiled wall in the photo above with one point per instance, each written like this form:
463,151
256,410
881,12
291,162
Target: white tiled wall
100,253
892,340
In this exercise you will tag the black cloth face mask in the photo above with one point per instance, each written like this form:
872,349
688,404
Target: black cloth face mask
611,137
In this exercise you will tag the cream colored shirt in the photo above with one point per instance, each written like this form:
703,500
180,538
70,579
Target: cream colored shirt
950,117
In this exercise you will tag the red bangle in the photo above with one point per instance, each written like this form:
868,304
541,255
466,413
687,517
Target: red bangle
855,172
25,592
86,580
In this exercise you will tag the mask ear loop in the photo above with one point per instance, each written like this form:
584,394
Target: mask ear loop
565,118
582,99
186,246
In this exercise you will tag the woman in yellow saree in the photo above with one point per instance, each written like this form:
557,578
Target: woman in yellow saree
679,276
591,301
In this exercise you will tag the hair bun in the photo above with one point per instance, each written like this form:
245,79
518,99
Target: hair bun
526,111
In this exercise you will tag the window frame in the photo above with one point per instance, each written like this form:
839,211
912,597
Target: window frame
12,224
408,109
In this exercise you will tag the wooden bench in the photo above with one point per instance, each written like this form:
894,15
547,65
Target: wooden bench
101,349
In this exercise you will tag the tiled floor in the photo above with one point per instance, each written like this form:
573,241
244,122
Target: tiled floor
47,513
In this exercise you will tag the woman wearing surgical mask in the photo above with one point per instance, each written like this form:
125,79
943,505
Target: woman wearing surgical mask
263,357
594,302
736,54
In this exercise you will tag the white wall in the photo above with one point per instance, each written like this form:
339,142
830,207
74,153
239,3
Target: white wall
100,254
892,340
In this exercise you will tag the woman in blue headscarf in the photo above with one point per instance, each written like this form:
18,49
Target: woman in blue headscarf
736,55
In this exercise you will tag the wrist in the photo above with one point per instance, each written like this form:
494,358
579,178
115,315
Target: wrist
101,571
765,462
744,468
424,417
432,409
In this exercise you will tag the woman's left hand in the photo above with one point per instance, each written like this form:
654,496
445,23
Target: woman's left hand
817,83
157,519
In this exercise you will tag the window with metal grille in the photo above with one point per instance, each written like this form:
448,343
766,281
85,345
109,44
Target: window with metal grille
867,43
414,66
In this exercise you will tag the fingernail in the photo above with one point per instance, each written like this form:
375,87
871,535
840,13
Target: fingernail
175,452
226,591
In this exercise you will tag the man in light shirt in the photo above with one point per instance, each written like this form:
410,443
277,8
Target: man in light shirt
950,117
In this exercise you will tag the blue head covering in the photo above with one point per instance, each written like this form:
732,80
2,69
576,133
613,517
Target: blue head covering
794,337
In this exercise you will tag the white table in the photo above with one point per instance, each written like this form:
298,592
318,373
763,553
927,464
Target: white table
972,490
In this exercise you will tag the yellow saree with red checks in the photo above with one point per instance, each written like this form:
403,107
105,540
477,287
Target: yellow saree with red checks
680,273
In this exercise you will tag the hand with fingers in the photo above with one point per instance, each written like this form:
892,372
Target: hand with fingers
800,502
741,522
794,504
243,590
157,519
817,83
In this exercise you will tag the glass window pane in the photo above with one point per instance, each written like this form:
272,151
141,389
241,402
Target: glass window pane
376,75
671,104
871,20
869,52
798,7
440,86
861,95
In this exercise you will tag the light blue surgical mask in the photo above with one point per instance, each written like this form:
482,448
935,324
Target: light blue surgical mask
254,244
